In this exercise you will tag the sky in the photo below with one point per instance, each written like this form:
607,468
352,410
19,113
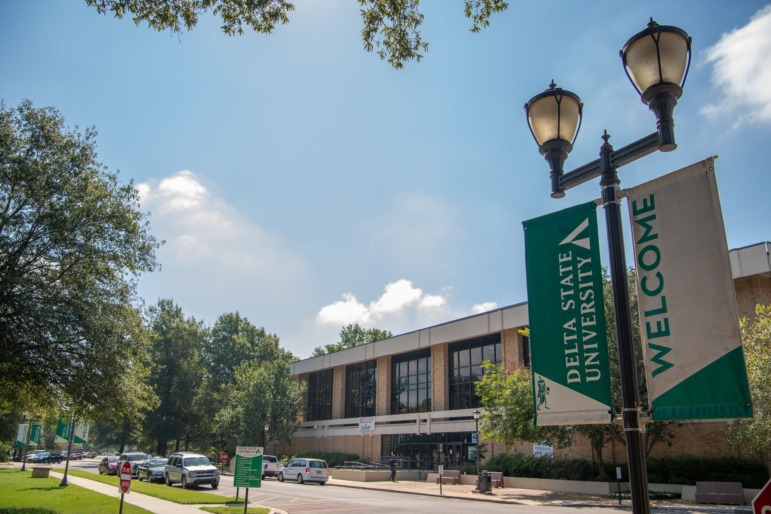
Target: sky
305,183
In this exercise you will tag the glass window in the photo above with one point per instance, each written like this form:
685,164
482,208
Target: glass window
320,395
411,382
361,389
466,358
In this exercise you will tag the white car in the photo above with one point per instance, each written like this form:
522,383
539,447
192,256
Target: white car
305,470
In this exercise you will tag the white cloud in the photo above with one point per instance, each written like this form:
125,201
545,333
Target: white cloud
215,260
484,307
401,308
742,70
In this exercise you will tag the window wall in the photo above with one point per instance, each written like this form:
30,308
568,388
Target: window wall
466,359
320,386
411,382
361,389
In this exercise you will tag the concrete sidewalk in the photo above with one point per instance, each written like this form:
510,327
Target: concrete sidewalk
534,497
155,505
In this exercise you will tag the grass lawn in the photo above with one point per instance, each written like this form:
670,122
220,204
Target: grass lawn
172,494
22,494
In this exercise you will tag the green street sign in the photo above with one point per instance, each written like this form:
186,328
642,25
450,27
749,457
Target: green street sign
63,428
248,472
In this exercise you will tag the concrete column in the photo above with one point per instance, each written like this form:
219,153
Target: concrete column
383,401
338,393
440,387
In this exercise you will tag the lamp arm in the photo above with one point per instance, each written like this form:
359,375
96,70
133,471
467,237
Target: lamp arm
618,158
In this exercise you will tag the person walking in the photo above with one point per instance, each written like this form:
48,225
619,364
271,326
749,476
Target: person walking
392,478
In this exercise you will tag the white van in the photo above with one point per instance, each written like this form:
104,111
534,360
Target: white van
305,470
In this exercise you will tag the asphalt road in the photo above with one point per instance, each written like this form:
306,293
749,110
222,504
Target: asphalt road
293,497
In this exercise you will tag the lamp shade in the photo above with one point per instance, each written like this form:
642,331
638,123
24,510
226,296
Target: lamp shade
657,55
554,114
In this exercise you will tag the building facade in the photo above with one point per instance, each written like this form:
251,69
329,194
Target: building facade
413,395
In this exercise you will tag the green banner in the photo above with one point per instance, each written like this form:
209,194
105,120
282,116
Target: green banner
569,347
34,436
63,427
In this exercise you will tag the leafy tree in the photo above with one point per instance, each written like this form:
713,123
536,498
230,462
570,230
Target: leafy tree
176,375
352,336
72,243
235,340
264,394
391,27
754,435
508,408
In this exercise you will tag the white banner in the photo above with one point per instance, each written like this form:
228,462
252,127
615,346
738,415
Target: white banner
689,321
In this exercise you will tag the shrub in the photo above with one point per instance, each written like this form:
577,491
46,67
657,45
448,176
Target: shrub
688,470
333,459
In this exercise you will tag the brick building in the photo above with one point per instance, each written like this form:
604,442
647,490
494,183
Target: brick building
413,394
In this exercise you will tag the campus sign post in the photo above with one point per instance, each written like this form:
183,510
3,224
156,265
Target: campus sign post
248,470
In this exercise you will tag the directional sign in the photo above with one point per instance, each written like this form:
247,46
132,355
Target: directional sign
248,466
762,502
125,477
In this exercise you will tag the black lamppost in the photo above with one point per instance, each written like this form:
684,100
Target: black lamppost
656,61
476,432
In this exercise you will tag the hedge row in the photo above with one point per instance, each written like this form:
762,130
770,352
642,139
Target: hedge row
333,459
677,470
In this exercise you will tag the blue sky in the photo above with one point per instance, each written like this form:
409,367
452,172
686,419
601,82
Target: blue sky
305,183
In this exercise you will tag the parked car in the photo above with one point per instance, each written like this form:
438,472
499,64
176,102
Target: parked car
89,455
39,457
108,465
270,466
134,458
152,469
56,456
191,469
76,456
305,470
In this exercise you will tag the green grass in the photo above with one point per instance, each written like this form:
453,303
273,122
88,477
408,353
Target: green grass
172,494
22,494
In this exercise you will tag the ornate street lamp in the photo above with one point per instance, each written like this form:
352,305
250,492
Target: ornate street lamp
656,61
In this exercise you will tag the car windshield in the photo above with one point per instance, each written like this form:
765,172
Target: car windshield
134,458
197,461
157,462
112,459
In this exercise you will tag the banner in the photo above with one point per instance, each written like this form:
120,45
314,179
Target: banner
689,321
34,436
81,433
21,435
63,427
568,343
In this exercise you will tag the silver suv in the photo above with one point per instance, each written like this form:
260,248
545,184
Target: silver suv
190,470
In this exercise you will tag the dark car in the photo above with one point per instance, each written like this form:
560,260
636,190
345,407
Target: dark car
108,465
152,469
56,456
39,457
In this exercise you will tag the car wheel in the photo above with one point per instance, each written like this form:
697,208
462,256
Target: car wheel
168,480
101,472
184,483
300,478
322,483
280,477
215,485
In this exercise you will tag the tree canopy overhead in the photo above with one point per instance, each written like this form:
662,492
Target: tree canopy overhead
391,27
72,243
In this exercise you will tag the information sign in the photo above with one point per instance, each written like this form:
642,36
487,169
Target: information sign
248,472
367,424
